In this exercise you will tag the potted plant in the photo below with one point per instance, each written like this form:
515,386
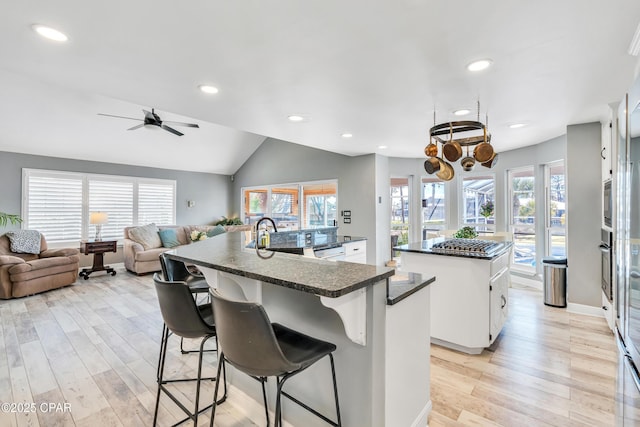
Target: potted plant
6,218
466,233
486,209
229,221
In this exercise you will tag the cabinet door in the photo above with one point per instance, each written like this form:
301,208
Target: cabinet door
499,289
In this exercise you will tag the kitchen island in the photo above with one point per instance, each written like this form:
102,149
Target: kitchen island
382,360
469,302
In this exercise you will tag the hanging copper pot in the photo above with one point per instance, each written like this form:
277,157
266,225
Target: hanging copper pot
492,161
483,151
432,165
468,162
446,173
452,150
431,150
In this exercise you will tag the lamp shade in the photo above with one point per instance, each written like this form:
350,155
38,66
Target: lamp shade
98,218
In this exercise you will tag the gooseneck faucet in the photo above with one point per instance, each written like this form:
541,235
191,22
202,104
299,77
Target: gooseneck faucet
275,229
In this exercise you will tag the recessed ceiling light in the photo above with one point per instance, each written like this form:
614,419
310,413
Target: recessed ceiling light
347,135
517,125
208,89
462,112
295,118
479,65
49,33
382,147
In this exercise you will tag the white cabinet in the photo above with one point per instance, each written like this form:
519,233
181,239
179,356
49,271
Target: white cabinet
469,298
606,153
356,251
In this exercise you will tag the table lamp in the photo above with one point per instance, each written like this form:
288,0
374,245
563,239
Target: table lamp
98,218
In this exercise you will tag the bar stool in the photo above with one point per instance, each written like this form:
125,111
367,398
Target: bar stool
176,271
185,319
261,349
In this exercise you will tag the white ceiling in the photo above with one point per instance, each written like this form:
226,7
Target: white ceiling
373,69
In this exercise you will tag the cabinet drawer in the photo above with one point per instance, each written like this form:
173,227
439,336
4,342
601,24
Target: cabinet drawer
98,247
500,263
355,248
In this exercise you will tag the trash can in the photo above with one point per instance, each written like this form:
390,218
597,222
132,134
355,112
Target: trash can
555,281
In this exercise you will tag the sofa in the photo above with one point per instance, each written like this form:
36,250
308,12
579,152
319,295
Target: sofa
24,274
142,257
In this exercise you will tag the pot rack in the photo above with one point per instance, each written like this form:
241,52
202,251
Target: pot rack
450,129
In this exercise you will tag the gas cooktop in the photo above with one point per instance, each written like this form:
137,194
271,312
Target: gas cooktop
466,246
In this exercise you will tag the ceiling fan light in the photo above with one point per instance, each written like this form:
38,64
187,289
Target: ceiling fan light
479,65
208,89
50,33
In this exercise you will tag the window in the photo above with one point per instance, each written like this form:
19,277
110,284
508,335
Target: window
433,206
58,204
399,193
283,203
522,216
555,209
478,202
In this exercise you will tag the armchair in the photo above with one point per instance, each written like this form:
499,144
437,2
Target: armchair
27,274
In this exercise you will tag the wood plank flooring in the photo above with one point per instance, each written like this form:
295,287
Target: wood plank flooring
95,345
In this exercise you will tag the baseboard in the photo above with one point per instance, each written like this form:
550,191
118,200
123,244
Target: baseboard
586,310
524,281
423,416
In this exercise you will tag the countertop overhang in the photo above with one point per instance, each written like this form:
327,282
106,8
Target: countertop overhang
227,253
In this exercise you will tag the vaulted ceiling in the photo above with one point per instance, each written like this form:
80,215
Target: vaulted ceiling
376,70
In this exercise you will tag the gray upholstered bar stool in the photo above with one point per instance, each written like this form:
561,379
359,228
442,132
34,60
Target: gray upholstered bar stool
185,319
261,349
176,271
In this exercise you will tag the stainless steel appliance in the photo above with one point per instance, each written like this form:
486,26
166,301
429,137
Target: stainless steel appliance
606,244
627,252
467,247
607,204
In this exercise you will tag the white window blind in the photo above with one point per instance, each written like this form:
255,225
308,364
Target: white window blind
156,203
116,199
54,206
59,204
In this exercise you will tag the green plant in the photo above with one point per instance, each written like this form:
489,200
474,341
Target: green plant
229,221
466,233
486,209
6,218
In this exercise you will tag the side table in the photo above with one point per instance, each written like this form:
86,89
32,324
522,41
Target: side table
98,249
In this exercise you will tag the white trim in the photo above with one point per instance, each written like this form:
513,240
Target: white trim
587,310
532,283
423,417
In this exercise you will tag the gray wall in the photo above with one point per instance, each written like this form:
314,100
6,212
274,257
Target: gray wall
584,202
211,192
280,162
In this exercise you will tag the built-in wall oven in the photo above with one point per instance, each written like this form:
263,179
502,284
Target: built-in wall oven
606,243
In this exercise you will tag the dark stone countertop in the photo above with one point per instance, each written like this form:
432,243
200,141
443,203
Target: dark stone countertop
425,247
403,285
227,253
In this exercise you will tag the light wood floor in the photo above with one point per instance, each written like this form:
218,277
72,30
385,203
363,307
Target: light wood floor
95,346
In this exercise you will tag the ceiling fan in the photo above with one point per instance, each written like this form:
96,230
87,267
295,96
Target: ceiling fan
152,119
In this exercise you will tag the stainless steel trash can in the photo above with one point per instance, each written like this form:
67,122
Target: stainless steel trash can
555,281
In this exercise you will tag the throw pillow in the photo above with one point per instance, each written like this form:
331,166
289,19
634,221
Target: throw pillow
147,236
25,241
169,238
218,229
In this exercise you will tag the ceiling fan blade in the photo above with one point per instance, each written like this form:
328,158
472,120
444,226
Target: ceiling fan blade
191,125
172,130
136,126
119,117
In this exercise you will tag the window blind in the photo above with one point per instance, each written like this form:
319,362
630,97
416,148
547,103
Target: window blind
156,203
54,206
116,199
